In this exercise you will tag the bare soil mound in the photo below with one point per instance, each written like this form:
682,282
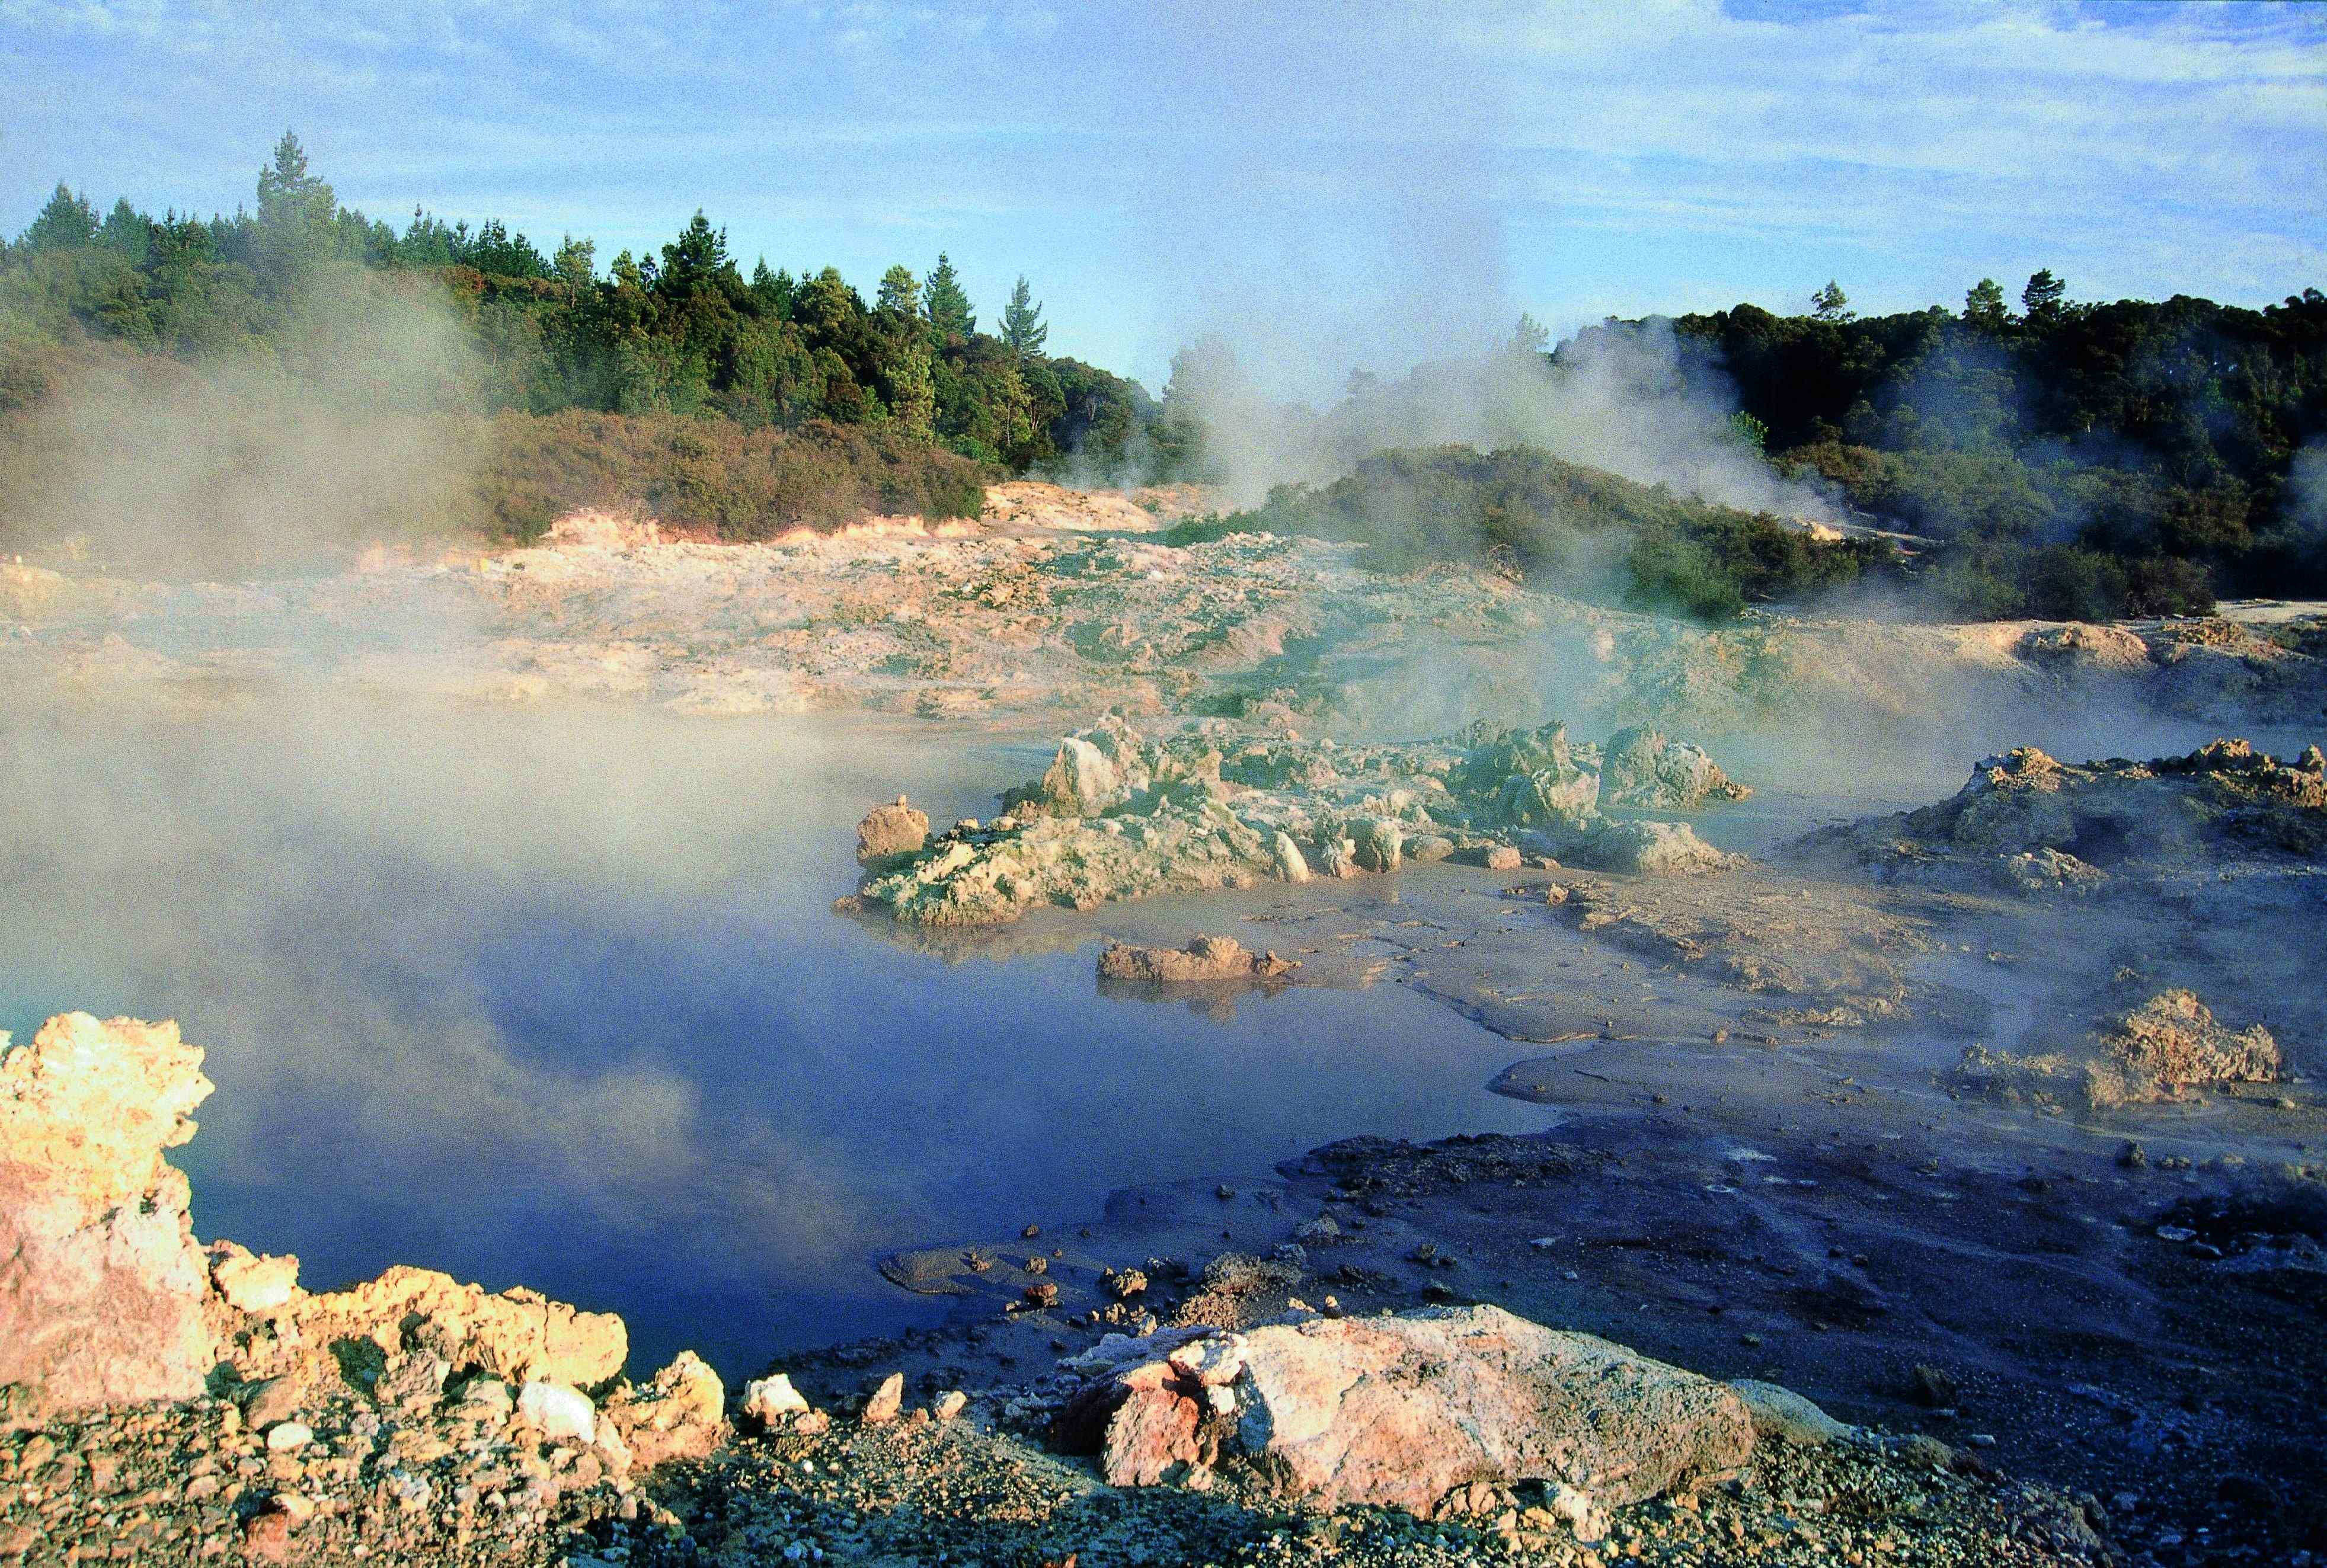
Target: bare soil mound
2027,822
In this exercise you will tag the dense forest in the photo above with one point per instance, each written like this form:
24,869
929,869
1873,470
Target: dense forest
736,403
2061,458
2127,458
682,333
2064,461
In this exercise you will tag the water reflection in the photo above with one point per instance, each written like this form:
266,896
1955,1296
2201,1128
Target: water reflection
556,997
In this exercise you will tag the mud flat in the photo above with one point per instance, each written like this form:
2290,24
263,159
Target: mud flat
2024,1164
1971,1151
1059,610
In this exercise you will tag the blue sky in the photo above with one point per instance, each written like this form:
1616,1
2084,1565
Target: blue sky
1333,185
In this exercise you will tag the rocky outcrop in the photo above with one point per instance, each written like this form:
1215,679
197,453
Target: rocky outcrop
1203,959
2084,645
2172,1042
2160,1050
1644,768
518,1336
1033,504
105,1298
1119,816
889,830
680,1412
2027,822
601,530
1404,1410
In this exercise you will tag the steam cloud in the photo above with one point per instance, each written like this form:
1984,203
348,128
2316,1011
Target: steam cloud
1617,398
346,428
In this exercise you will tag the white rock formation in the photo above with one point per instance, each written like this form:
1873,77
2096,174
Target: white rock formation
563,1414
104,1296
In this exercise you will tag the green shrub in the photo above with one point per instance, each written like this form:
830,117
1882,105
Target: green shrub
2003,580
1588,532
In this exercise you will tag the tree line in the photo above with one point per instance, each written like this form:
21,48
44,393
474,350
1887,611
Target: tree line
2063,458
684,331
2076,459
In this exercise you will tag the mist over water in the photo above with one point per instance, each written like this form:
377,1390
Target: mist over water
556,997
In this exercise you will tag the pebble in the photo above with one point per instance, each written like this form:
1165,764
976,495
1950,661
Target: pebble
289,1436
266,1537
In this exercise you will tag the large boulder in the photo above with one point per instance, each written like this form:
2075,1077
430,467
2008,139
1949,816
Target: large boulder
1787,1417
1645,768
1499,753
104,1295
1081,780
680,1412
1378,842
1284,859
1647,848
1548,798
1403,1410
251,1282
890,830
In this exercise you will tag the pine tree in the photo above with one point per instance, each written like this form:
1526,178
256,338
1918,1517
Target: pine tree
908,385
128,232
1983,305
773,291
1830,304
297,210
1022,321
900,291
2041,299
576,264
698,255
67,223
946,305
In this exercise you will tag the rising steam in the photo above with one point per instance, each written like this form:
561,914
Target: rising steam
1617,397
343,427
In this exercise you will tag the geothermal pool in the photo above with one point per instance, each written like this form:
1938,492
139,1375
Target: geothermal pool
554,996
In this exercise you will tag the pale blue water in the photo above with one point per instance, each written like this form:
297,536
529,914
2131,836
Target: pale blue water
554,997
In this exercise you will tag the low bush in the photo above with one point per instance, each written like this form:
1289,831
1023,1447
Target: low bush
2004,580
1583,530
714,476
